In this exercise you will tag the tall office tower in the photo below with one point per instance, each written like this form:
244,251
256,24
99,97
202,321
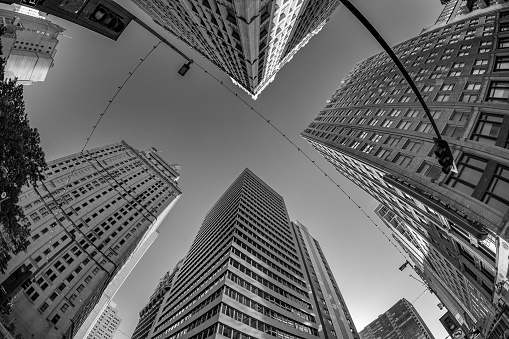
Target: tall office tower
401,321
149,312
90,221
457,10
248,40
445,265
373,120
29,45
251,273
107,324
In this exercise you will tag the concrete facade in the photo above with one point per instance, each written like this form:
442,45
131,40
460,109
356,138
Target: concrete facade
248,40
107,324
90,222
29,45
374,131
401,321
251,273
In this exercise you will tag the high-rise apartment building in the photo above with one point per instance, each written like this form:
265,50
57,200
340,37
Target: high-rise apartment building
251,273
107,324
401,321
375,132
29,44
90,222
248,40
149,312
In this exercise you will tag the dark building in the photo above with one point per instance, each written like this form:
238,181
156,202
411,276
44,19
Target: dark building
149,312
251,273
374,131
401,321
90,222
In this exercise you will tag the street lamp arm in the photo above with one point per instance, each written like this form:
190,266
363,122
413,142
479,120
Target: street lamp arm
394,58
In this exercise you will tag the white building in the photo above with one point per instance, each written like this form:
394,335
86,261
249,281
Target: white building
107,324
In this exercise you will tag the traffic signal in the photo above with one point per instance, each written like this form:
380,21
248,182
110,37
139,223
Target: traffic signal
450,323
444,155
107,18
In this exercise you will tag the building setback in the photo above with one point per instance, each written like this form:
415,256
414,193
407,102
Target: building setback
251,273
248,40
107,324
401,321
375,132
90,222
29,44
149,312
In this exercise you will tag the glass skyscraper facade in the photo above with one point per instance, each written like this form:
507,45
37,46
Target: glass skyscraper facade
252,273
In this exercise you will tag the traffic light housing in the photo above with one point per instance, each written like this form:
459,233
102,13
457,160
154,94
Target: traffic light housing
444,155
450,323
107,18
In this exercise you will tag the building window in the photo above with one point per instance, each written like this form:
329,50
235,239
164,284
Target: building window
404,124
442,97
447,87
382,153
487,128
64,308
501,63
80,288
55,319
481,62
429,170
459,116
452,131
412,113
367,148
503,42
470,170
392,141
424,127
468,97
497,194
376,137
477,71
412,146
473,86
454,73
373,122
387,123
498,91
402,160
354,145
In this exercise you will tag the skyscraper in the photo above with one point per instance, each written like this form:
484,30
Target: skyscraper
250,270
90,221
374,132
149,312
401,321
107,324
29,45
248,40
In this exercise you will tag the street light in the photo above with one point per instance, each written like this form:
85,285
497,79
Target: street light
185,68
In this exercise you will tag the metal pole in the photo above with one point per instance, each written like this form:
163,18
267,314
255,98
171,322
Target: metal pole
394,58
160,37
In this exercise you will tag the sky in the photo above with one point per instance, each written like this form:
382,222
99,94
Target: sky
201,126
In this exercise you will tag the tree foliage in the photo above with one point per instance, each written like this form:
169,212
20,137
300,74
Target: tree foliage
22,163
